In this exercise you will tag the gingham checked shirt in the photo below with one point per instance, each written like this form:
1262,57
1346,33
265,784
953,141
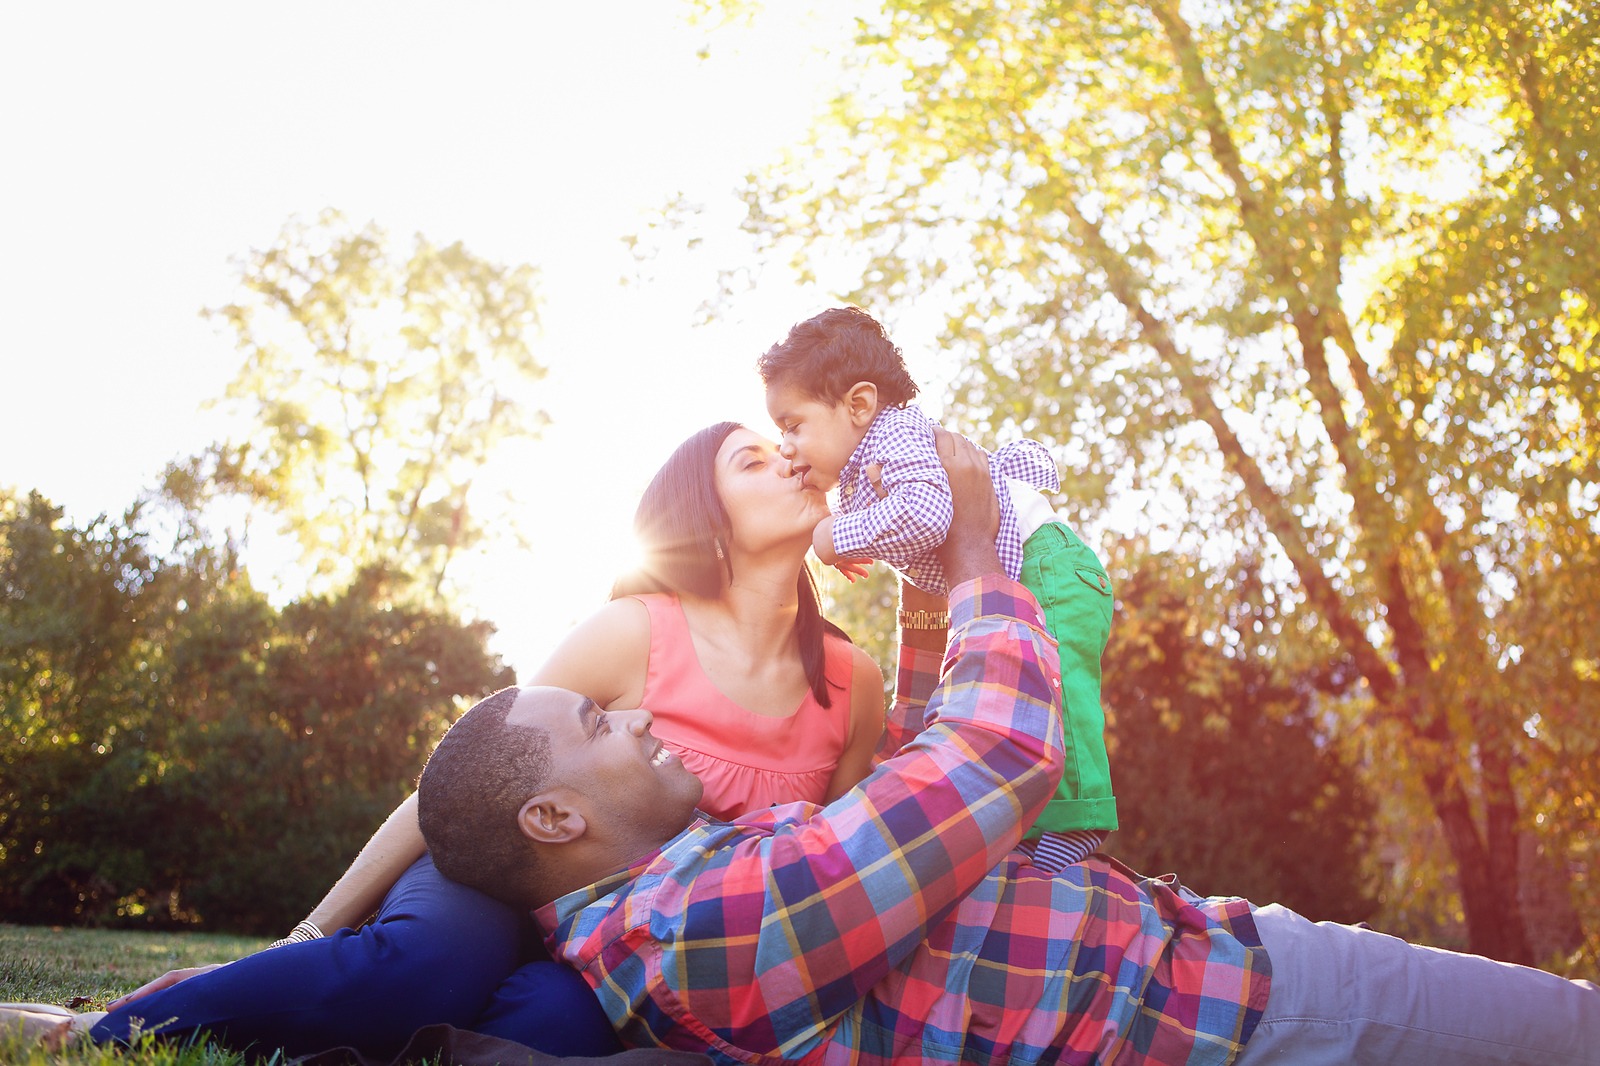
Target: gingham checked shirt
899,925
905,527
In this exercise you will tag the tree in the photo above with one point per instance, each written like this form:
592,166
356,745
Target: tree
1225,773
75,610
287,756
1321,274
376,382
176,751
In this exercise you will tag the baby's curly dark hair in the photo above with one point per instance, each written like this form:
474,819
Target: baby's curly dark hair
827,353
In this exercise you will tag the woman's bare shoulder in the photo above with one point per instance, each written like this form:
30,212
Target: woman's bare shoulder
605,656
864,667
625,611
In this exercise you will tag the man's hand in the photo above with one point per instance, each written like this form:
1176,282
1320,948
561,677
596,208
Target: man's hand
968,550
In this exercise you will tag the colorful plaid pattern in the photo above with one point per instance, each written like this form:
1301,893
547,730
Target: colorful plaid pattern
915,681
905,527
900,925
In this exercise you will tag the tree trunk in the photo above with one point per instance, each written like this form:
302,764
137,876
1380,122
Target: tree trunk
1488,875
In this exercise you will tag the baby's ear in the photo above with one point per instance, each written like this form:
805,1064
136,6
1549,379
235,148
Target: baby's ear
861,402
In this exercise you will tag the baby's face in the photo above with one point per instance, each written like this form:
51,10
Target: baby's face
815,436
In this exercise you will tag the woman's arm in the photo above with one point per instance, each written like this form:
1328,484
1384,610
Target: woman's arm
866,725
605,657
391,851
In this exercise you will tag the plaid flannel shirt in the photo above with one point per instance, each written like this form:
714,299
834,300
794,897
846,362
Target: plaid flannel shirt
899,924
905,527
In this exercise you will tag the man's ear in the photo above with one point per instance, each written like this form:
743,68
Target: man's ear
861,403
551,818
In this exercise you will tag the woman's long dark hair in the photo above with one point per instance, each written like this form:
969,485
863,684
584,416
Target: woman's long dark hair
681,523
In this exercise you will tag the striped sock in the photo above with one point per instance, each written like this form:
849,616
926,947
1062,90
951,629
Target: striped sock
1054,852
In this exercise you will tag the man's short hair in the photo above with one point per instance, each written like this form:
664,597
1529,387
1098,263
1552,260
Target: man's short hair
470,795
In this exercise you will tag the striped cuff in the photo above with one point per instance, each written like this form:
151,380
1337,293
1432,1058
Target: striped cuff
306,930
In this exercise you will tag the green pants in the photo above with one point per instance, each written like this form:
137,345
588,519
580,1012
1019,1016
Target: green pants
1070,584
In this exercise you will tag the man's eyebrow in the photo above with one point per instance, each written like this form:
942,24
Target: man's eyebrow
584,710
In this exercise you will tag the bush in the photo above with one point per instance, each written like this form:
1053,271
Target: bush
177,751
1223,772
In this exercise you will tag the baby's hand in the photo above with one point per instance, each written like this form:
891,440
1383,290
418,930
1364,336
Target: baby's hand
853,568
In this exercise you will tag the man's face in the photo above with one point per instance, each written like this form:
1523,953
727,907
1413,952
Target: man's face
630,785
817,437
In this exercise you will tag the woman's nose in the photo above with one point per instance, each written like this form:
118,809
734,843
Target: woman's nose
785,466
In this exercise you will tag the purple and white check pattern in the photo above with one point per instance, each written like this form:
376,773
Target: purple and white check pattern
905,528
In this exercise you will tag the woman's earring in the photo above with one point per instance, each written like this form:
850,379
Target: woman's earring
717,543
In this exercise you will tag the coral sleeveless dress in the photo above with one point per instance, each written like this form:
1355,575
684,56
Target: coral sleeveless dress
746,761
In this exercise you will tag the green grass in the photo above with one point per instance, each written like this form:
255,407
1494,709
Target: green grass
84,968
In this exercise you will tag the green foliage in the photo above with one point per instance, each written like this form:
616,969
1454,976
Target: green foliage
1303,285
1224,773
341,706
75,607
179,751
376,383
147,1052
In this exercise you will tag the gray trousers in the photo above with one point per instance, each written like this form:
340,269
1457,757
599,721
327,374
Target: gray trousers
1344,996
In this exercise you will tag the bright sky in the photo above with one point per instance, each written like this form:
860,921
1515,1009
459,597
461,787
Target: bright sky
147,145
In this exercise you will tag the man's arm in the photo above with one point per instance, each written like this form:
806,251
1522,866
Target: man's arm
968,553
920,657
920,649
